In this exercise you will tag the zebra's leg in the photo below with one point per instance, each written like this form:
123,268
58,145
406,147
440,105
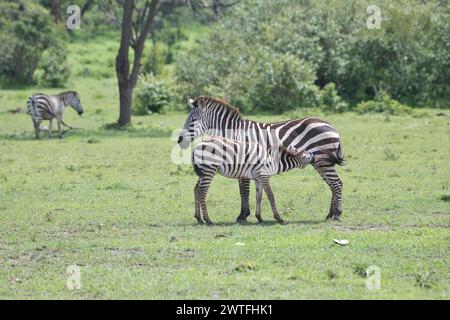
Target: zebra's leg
204,183
66,125
59,118
50,125
258,201
36,129
264,180
197,203
244,190
328,172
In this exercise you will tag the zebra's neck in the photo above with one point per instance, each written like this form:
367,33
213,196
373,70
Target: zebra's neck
63,99
224,122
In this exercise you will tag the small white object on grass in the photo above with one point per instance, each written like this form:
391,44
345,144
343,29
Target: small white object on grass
240,244
342,242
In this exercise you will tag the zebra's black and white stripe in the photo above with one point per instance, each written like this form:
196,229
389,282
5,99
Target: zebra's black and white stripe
241,160
311,134
45,107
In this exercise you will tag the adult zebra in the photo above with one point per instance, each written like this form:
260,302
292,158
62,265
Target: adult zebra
241,160
44,107
215,117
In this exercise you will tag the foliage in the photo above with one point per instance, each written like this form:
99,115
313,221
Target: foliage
383,103
53,70
330,101
170,36
151,95
25,31
155,61
408,56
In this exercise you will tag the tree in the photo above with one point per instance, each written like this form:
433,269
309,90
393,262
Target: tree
87,5
136,23
55,10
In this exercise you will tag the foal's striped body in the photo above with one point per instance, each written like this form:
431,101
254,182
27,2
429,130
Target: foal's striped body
241,160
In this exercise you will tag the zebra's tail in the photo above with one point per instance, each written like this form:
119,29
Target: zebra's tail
336,157
339,155
31,106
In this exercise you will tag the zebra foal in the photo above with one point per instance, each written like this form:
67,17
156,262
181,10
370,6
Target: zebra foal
45,107
241,160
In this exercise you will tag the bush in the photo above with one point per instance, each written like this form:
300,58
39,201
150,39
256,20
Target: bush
278,84
25,31
408,56
53,70
383,104
151,95
155,61
330,101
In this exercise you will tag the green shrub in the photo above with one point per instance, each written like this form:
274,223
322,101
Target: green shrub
25,31
383,104
151,95
330,101
155,61
280,83
53,70
408,56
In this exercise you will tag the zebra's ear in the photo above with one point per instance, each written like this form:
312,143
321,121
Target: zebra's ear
190,102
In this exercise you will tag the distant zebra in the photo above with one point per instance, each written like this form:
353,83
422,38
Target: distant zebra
241,160
215,117
43,107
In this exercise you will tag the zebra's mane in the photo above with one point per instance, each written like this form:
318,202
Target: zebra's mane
66,93
210,101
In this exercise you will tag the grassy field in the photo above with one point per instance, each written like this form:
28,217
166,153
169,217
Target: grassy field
113,203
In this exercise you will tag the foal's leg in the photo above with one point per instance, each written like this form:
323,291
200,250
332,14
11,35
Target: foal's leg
258,200
36,129
50,125
244,191
59,118
204,183
197,202
266,186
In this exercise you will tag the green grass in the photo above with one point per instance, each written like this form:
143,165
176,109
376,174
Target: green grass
113,203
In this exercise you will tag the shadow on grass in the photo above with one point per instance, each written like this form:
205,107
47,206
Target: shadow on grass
103,132
267,223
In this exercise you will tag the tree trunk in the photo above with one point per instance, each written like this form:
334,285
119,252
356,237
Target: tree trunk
55,10
126,96
216,9
86,7
125,79
123,65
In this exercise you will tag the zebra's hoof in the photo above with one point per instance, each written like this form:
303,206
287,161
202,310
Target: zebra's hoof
209,222
241,221
333,218
199,220
281,221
